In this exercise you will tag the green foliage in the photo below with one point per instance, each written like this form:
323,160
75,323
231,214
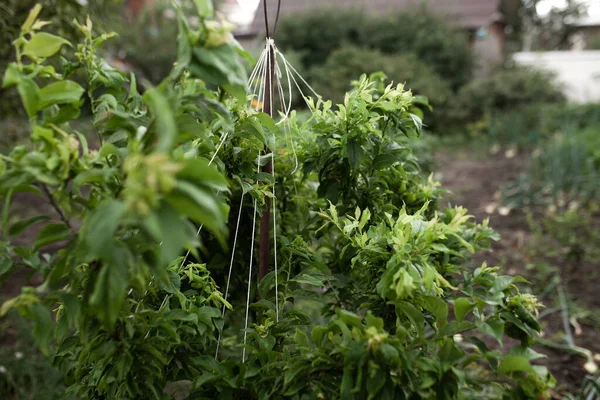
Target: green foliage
332,79
570,236
564,172
24,373
533,125
375,296
147,44
416,31
444,47
60,13
507,89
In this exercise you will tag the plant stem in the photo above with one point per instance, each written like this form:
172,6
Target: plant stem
56,206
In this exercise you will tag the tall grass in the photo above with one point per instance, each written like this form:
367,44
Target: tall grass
564,171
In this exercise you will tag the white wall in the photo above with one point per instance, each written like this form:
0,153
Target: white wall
577,71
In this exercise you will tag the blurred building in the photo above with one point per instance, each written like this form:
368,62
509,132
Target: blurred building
587,33
484,20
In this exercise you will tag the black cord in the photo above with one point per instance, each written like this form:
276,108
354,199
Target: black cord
277,17
267,18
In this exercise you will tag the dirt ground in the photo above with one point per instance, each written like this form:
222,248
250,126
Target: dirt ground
475,183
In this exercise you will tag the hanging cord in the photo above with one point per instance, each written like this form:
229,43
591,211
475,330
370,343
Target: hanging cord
250,271
237,229
267,17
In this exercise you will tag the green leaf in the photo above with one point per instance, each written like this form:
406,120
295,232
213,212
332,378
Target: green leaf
207,314
438,307
6,210
42,328
221,66
49,234
178,389
61,92
301,339
205,8
172,282
312,279
181,315
355,154
265,120
19,226
100,227
184,47
72,308
454,327
31,17
318,334
175,233
43,45
252,128
198,204
12,76
166,127
109,293
30,96
198,171
514,364
375,383
414,315
494,328
462,306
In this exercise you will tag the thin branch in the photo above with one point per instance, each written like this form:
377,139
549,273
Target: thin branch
56,206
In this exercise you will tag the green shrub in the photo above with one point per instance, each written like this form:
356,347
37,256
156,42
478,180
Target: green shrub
531,125
59,12
376,298
574,117
444,48
25,374
332,80
564,172
323,31
505,90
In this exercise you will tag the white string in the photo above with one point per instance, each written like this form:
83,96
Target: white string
261,88
255,72
299,89
259,78
249,284
299,76
237,229
287,71
285,121
275,247
250,271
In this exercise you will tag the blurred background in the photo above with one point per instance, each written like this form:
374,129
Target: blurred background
514,133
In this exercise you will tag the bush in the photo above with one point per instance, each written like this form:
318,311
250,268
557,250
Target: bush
25,373
564,172
507,89
443,48
375,298
323,31
574,117
332,80
60,13
532,125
